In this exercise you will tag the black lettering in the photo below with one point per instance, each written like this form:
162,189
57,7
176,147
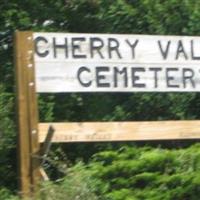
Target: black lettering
170,78
165,51
155,70
192,52
123,72
188,75
96,44
39,53
100,77
180,49
135,78
113,45
76,47
80,71
60,46
133,45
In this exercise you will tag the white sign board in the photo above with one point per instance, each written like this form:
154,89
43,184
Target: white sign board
70,62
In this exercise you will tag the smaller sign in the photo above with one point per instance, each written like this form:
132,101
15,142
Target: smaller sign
121,131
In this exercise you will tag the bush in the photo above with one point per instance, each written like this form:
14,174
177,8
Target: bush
5,194
131,173
76,185
148,173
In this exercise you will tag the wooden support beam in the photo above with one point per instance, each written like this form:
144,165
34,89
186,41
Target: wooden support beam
45,150
28,146
44,175
122,131
21,53
47,143
32,114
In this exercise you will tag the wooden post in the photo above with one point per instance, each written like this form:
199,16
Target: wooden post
28,145
47,144
45,150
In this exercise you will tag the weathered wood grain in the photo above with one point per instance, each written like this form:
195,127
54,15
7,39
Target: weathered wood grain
121,131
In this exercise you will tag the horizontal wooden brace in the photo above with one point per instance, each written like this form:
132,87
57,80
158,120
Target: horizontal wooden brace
121,131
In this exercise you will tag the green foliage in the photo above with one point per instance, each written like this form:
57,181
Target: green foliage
148,173
131,173
76,185
139,166
7,195
7,140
